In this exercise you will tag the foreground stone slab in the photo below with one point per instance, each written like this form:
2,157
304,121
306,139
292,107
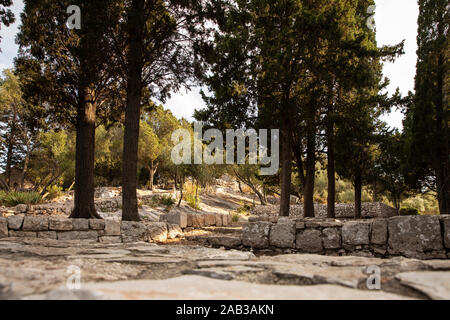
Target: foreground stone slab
200,288
435,285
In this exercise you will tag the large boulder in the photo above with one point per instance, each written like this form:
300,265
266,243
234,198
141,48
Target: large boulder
356,233
256,235
415,237
157,231
282,234
310,241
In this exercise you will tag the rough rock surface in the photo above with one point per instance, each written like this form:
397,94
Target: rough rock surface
256,235
309,241
403,237
331,238
282,234
356,233
35,269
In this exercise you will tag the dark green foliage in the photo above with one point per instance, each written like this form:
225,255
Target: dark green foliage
409,212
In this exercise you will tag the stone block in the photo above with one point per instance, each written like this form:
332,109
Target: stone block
48,235
78,235
22,234
379,231
133,231
415,236
356,233
309,241
60,224
331,238
3,228
35,223
15,222
80,224
282,234
96,224
256,234
112,228
177,217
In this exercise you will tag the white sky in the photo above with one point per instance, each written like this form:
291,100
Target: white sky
396,20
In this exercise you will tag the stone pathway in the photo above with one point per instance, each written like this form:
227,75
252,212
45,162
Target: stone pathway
38,269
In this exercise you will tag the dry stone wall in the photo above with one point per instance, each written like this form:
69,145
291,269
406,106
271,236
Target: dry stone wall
95,230
107,230
421,237
343,210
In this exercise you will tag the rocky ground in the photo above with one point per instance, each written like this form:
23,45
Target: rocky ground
198,266
41,269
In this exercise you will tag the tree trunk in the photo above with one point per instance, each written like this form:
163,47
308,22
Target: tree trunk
358,193
331,171
286,157
181,191
375,190
24,170
310,164
240,187
136,23
84,160
11,144
152,170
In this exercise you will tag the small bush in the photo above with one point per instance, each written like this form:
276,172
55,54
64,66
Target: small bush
244,209
168,201
409,212
235,218
12,199
192,202
54,192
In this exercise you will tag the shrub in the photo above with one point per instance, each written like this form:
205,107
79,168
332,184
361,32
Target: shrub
54,192
12,199
168,201
235,218
409,212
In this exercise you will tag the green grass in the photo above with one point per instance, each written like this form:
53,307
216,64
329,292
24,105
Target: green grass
12,199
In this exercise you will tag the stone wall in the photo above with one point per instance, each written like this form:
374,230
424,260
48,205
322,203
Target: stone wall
197,219
421,237
95,230
343,210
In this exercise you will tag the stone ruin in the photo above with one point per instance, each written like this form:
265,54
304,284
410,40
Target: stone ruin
421,237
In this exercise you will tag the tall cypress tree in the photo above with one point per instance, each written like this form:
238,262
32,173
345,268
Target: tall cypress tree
427,125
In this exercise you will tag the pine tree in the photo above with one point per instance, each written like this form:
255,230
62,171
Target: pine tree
427,117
